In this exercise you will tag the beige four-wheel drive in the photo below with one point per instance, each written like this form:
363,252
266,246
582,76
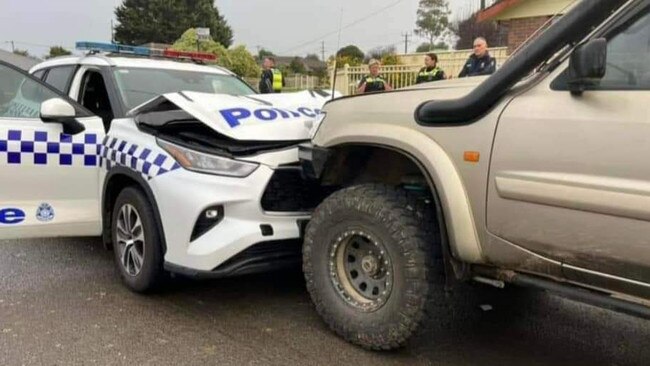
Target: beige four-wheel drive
536,176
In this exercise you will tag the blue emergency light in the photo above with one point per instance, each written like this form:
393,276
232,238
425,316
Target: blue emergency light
113,48
117,48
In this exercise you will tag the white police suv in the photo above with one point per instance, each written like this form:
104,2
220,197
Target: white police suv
202,182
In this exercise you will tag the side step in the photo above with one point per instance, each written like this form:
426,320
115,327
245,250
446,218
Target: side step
581,294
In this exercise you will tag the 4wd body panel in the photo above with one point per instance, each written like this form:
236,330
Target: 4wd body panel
461,185
568,180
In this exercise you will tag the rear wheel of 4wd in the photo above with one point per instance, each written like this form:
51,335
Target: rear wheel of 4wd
136,241
371,261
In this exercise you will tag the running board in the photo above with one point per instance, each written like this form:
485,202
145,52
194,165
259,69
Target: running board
581,294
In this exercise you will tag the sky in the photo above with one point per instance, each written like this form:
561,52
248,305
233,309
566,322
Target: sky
286,27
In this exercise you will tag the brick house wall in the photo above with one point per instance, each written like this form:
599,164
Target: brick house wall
520,29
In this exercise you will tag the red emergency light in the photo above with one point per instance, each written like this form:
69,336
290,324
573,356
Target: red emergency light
203,56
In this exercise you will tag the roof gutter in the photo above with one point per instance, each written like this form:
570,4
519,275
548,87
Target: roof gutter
496,9
569,29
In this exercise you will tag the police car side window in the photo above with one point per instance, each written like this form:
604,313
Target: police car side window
628,53
20,96
60,77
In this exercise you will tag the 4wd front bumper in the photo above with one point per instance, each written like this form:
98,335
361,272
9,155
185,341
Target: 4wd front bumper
313,159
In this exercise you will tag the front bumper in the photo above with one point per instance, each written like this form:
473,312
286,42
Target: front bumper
261,257
313,159
183,195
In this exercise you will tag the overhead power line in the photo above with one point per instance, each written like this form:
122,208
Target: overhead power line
349,25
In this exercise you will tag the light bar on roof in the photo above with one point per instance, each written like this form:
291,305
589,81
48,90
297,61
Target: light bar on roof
144,51
189,55
113,48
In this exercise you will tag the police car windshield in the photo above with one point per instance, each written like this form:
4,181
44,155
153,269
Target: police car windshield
138,85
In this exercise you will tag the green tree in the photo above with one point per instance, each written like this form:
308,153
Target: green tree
263,53
348,60
56,51
469,28
242,62
390,59
162,21
379,52
432,19
312,57
351,52
237,60
297,66
426,47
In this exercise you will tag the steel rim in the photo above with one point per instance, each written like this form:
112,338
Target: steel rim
361,270
130,240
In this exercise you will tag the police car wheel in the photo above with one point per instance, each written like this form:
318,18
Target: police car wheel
372,264
136,241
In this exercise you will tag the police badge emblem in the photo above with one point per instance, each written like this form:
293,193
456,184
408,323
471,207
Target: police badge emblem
45,212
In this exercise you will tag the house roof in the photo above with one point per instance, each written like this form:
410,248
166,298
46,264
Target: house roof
22,62
514,9
495,10
310,64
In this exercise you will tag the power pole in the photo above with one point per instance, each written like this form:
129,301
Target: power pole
322,51
406,42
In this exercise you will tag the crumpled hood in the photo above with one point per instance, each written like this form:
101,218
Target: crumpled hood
258,117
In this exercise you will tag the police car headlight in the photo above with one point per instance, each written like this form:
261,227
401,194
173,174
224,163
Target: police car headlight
205,163
317,123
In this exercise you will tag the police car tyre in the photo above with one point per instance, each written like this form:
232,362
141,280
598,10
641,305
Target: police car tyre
141,237
402,226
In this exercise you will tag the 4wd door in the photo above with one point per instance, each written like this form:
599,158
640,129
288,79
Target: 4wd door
570,177
50,181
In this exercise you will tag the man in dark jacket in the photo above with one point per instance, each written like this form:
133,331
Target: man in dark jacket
431,72
272,80
480,62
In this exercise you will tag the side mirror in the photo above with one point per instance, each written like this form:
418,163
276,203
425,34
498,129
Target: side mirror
588,65
57,110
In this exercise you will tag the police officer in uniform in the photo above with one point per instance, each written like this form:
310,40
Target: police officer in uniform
431,72
272,80
480,62
373,82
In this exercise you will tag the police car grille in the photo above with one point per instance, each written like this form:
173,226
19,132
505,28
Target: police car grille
288,191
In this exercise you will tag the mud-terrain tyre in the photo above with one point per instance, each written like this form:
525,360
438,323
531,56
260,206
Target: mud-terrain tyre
137,243
390,239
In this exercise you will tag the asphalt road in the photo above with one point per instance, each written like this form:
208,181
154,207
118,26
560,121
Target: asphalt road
61,303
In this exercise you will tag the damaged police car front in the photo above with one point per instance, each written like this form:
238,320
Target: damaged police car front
192,183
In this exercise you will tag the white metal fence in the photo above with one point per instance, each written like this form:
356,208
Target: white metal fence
400,76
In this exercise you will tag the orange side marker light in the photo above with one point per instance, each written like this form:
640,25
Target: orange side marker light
472,156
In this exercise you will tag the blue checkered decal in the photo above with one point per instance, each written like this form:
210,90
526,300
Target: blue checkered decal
114,151
22,147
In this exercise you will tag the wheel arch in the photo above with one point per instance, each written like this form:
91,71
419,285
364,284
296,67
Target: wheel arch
117,179
433,163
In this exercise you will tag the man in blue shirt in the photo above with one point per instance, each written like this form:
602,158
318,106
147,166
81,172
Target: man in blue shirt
480,62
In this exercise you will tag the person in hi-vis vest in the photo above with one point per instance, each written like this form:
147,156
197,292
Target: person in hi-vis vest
431,72
272,80
373,82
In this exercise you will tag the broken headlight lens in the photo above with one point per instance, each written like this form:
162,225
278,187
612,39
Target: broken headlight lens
205,163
